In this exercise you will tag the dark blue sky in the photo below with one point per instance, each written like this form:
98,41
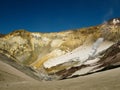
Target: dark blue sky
55,15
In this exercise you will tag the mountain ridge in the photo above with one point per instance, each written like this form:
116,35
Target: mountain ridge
52,53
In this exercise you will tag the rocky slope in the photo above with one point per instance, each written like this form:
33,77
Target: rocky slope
63,54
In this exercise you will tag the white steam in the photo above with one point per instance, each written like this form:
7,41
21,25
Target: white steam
95,47
108,14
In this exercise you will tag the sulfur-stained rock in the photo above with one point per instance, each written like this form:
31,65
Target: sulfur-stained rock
64,54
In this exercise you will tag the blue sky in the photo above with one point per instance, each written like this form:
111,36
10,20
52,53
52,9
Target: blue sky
55,15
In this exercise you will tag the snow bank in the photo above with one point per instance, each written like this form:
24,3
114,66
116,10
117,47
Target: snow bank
81,54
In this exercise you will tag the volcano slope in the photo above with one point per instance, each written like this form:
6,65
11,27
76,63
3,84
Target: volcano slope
12,79
60,55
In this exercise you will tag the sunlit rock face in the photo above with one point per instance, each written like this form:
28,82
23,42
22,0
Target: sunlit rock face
64,54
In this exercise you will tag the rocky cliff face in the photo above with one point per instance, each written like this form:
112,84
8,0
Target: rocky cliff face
64,54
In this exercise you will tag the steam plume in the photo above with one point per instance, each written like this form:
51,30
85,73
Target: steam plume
95,47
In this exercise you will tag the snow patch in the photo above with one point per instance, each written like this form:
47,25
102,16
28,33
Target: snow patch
81,55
